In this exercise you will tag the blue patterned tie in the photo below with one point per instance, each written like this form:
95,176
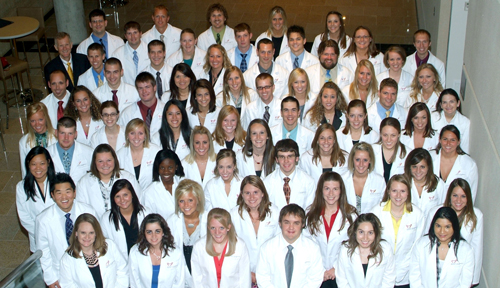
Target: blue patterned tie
328,77
136,61
296,63
243,65
68,226
66,162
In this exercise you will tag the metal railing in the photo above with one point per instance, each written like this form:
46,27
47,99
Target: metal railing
27,275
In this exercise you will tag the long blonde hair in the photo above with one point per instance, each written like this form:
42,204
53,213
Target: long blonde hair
200,130
32,110
276,10
293,77
225,90
415,85
239,133
224,218
226,62
372,89
317,111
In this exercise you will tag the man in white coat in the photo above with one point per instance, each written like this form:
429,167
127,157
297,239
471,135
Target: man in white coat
54,226
149,108
158,67
57,100
163,31
289,183
297,57
265,51
94,77
98,23
134,54
328,68
70,156
422,42
244,55
267,107
290,127
386,105
115,89
290,259
219,32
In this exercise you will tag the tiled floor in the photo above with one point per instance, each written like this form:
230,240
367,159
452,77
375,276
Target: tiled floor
388,19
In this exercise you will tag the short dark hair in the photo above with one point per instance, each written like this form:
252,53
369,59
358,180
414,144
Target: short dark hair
389,82
242,27
113,61
421,31
295,210
96,47
290,99
156,42
163,155
287,145
131,25
145,77
96,13
296,29
328,43
264,41
66,122
62,178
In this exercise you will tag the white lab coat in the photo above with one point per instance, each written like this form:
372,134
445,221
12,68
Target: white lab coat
87,79
50,234
302,187
307,105
398,166
373,191
313,127
411,66
253,96
89,191
219,84
76,274
80,164
171,269
315,170
457,272
198,59
245,230
351,63
24,149
308,268
192,172
246,165
428,199
93,127
280,77
100,137
429,143
148,159
236,147
252,60
133,112
404,85
370,100
166,97
374,119
304,136
215,193
285,60
165,74
459,120
210,119
257,108
113,43
182,149
158,199
284,44
411,228
27,209
349,270
126,93
431,102
51,102
317,41
172,38
125,54
118,237
206,39
345,141
235,270
344,77
465,167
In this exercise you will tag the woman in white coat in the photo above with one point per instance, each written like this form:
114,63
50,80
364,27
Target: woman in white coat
362,48
255,219
356,128
325,154
216,63
390,153
364,86
442,258
138,155
427,189
334,29
175,132
156,260
418,131
121,223
199,165
159,197
329,107
222,191
94,188
364,187
448,111
277,31
403,224
33,192
228,131
84,107
328,219
111,133
470,219
188,53
365,259
203,110
299,87
182,83
220,260
394,60
91,260
40,132
425,87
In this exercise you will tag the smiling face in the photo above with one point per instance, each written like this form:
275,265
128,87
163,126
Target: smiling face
217,20
225,167
265,90
395,61
109,116
58,84
419,171
188,43
290,114
98,25
426,79
96,59
287,162
258,135
398,194
85,235
361,162
66,137
147,92
390,137
160,17
296,43
449,104
105,164
174,117
325,141
215,58
329,99
39,166
331,192
137,137
291,227
362,39
422,44
420,121
218,231
201,145
328,58
123,199
277,22
202,98
113,74
82,102
64,46
252,196
388,96
299,86
234,82
133,37
188,203
38,122
364,77
64,196
357,117
154,234
365,235
333,23
229,124
458,199
167,169
157,56
443,230
181,81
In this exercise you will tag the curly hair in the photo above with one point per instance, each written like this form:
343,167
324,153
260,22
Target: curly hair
317,111
226,63
95,105
167,241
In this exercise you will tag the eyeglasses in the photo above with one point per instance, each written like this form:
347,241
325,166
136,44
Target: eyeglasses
106,115
362,37
264,87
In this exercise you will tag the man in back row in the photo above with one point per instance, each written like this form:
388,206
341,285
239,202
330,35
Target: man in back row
163,31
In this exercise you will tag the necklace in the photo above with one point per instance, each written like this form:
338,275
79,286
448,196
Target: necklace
199,115
156,256
91,260
397,217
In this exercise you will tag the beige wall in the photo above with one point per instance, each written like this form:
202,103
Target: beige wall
434,16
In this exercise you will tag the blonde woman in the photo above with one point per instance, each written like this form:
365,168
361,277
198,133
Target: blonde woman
216,63
425,87
394,60
362,48
299,87
276,31
364,86
228,131
235,91
329,107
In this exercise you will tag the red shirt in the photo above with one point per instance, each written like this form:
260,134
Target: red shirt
421,61
144,109
328,229
218,264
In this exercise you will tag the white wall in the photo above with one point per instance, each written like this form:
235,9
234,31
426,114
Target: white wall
434,16
456,41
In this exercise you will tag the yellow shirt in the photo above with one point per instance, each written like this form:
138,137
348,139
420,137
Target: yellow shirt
395,223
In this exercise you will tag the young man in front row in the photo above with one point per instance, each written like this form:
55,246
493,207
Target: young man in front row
289,259
386,105
54,226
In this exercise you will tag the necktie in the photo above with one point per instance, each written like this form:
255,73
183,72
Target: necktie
115,97
296,63
66,162
287,190
69,227
328,77
387,114
148,118
99,81
136,61
218,39
267,115
243,65
70,73
60,110
289,265
103,46
162,38
159,85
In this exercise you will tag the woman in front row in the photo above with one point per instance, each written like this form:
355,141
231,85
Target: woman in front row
442,258
365,259
91,260
224,250
156,261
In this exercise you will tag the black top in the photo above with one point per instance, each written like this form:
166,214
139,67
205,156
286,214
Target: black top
354,142
365,267
137,170
258,173
131,233
239,110
277,46
96,274
387,167
327,170
184,102
188,250
230,144
337,122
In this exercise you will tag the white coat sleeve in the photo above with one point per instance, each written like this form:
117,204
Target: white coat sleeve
66,275
122,278
467,274
311,192
180,276
263,271
22,209
341,269
196,262
415,271
473,176
390,271
317,271
244,267
208,198
42,243
133,268
477,245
